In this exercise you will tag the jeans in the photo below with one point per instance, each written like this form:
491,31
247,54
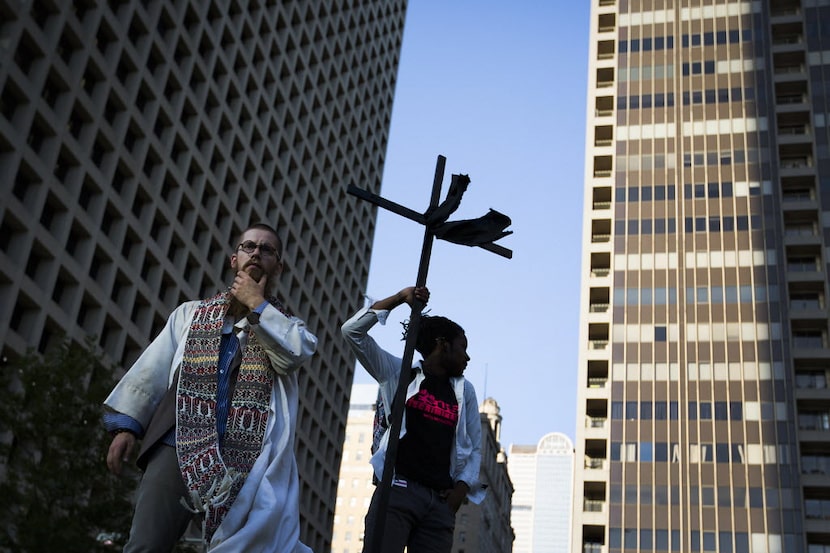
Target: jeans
417,517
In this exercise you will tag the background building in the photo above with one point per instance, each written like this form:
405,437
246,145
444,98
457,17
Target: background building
355,487
483,528
542,476
137,139
704,334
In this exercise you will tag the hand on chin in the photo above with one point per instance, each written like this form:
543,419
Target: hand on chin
255,272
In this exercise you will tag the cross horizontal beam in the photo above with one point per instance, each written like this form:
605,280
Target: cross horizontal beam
413,215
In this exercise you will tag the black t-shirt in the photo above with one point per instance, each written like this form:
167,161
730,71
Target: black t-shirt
431,418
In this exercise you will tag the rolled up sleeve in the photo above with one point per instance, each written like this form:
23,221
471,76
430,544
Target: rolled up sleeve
286,340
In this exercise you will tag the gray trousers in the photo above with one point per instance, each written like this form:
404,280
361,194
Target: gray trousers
417,518
160,519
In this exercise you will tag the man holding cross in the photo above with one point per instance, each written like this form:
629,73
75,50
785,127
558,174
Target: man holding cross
439,453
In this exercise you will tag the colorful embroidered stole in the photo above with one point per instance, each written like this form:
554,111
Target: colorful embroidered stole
214,478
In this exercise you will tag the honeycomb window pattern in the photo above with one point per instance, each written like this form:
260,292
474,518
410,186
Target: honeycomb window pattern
137,139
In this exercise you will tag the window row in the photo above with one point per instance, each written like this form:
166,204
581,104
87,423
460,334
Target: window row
645,162
814,420
696,295
725,224
668,410
724,157
646,44
663,452
707,67
645,101
709,96
707,127
723,542
710,38
659,71
705,332
718,371
634,227
721,189
646,226
718,96
696,260
707,496
658,192
817,509
650,162
661,192
731,294
646,72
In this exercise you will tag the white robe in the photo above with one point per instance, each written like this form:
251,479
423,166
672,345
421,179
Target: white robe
265,516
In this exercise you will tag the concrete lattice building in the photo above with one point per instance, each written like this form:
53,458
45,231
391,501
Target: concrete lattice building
704,336
542,476
138,138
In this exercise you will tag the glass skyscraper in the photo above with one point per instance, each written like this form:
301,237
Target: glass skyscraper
704,330
542,476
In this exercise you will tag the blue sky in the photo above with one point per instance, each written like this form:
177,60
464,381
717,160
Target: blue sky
499,89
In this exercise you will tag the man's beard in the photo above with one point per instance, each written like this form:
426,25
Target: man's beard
237,309
255,271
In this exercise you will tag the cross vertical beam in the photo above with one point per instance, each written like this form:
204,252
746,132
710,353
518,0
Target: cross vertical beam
396,415
481,232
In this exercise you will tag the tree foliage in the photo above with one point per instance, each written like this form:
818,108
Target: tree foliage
57,494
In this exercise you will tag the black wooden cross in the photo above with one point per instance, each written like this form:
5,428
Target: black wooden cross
481,232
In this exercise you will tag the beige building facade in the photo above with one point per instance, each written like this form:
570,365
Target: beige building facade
355,486
137,139
702,391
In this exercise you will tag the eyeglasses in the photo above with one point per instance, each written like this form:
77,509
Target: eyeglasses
267,250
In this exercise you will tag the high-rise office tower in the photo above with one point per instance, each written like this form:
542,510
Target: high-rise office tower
704,334
138,138
542,476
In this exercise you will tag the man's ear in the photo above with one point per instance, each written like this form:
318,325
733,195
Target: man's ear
437,349
234,262
278,268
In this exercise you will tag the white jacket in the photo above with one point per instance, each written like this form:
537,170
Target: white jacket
385,368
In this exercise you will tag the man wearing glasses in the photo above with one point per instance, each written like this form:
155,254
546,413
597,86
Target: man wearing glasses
214,400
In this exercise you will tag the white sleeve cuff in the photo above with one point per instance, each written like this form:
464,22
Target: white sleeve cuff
382,315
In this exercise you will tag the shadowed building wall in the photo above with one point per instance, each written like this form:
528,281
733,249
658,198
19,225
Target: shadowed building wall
137,139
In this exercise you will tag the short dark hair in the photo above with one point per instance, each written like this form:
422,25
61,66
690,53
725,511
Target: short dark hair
266,227
430,329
